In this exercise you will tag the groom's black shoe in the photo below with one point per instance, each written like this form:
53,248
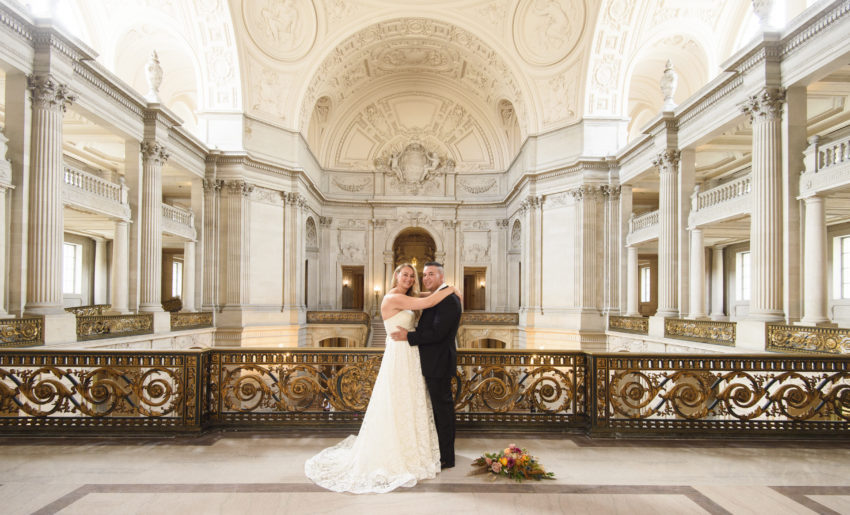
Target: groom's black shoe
444,465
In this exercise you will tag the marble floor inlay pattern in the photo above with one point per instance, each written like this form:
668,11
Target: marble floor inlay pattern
262,473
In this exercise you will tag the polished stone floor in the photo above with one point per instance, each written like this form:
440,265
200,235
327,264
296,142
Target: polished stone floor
263,473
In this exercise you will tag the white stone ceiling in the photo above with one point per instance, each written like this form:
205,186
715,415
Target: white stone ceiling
469,79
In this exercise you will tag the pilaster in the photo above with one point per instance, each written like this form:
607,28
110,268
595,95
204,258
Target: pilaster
120,262
237,232
212,253
697,281
717,284
794,143
611,247
189,276
632,306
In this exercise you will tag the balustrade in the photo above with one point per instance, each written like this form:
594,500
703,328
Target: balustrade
795,338
21,332
731,190
525,390
644,221
95,185
178,215
639,325
705,331
111,326
196,320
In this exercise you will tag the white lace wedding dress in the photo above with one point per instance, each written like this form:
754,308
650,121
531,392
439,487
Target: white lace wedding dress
397,444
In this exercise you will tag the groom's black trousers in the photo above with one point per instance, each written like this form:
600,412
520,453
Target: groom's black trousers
440,391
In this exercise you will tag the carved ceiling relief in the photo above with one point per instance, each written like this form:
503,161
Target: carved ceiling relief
352,245
268,85
546,31
284,29
561,99
414,169
615,28
415,44
475,246
438,123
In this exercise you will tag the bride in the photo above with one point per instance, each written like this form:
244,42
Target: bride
397,443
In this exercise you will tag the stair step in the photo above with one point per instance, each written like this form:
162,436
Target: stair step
379,334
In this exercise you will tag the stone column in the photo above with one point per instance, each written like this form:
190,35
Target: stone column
684,191
189,276
154,157
18,128
237,221
765,111
531,207
633,281
612,244
718,283
212,189
588,270
697,281
293,250
667,163
120,264
815,298
623,276
46,218
794,143
100,272
5,185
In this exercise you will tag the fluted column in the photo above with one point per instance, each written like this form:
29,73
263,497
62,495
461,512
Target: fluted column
154,157
120,264
293,250
718,282
212,189
46,220
632,306
587,268
765,110
815,298
697,274
611,294
237,221
625,209
532,207
667,163
189,276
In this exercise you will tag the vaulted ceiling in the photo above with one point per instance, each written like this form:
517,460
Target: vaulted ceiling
360,79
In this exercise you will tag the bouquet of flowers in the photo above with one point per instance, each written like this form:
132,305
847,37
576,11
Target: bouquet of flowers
514,463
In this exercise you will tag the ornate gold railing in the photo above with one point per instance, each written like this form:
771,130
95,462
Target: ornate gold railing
200,319
338,317
21,332
791,338
604,394
100,391
726,394
639,325
705,331
90,310
474,318
111,326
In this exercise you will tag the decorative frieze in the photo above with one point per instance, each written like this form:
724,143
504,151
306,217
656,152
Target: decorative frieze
266,196
477,187
352,188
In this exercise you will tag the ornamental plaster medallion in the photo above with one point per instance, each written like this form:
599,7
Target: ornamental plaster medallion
284,29
546,31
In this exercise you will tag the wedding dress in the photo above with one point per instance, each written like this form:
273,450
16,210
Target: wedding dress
397,444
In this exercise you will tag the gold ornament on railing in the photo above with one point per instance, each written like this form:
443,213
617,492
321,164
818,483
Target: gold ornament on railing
638,325
784,338
21,332
705,331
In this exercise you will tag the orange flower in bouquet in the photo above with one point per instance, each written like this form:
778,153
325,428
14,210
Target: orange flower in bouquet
514,463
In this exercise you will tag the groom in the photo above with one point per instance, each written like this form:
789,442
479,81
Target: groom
435,336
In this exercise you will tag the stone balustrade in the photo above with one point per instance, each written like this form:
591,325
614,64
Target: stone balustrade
644,221
827,163
178,221
719,194
95,194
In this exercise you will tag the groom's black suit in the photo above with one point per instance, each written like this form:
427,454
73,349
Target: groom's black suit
435,336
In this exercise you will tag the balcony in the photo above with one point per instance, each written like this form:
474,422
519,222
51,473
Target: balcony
643,228
827,163
723,202
178,222
88,192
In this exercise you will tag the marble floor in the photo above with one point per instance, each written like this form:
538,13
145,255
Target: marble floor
259,473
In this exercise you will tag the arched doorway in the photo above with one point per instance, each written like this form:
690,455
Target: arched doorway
416,246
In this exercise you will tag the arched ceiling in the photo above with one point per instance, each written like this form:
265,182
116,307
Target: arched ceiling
468,79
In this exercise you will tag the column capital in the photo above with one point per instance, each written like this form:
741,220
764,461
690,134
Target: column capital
667,160
48,93
325,221
239,188
294,199
212,185
531,202
611,192
766,105
502,223
155,151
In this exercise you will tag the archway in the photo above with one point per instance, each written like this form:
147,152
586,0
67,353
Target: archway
415,246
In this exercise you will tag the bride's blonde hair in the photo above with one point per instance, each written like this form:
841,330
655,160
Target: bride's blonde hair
413,291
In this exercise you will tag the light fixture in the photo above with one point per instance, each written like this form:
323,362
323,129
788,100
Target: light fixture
377,289
345,282
481,284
